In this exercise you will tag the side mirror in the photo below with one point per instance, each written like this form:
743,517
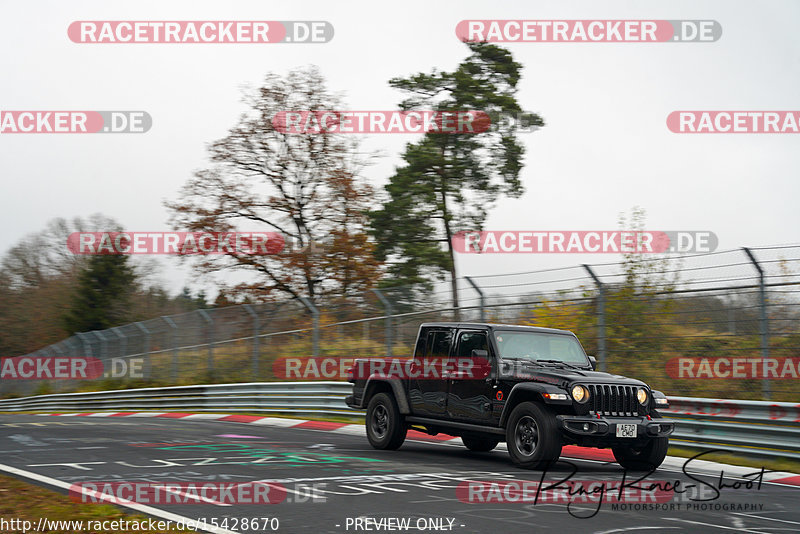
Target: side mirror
480,353
593,361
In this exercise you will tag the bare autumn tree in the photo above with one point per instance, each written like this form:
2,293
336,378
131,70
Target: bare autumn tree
43,255
349,256
304,186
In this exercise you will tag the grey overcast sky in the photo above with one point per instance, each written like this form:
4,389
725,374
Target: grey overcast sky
605,149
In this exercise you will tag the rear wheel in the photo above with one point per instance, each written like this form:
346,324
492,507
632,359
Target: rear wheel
386,426
532,436
480,443
643,458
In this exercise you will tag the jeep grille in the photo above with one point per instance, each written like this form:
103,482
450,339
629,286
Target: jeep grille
613,400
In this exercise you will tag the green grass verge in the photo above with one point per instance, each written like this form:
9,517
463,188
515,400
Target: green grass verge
771,464
22,501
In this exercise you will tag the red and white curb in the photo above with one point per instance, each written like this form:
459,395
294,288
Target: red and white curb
569,451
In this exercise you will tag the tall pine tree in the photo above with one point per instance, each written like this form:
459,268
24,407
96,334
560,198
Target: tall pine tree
450,181
103,294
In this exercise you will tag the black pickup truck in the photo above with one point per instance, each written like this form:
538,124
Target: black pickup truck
534,388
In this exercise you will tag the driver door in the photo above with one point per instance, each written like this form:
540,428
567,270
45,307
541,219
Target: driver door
471,393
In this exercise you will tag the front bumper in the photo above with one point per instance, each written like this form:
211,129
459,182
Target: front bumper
350,400
606,427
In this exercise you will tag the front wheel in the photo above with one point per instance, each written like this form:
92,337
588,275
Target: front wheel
643,458
532,437
386,426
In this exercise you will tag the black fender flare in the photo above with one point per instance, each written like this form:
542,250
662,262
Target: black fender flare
659,395
524,389
397,389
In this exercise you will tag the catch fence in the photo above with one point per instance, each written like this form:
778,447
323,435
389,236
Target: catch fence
704,325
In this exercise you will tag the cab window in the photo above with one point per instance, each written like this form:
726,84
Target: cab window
469,341
439,344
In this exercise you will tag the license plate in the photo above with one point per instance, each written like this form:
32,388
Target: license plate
626,431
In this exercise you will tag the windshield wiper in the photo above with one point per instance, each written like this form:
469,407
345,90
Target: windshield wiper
562,363
533,363
526,361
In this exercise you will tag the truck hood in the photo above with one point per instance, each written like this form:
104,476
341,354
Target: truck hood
564,375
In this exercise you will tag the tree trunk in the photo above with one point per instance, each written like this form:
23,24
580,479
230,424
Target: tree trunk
449,238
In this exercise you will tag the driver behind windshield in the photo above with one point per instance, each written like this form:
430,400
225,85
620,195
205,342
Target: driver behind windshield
532,347
522,345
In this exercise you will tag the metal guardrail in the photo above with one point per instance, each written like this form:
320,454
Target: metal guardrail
291,398
753,428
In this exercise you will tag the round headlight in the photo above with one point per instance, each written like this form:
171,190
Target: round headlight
580,393
641,395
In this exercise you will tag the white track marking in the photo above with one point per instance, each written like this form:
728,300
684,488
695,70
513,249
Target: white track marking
715,526
633,529
767,518
278,421
671,464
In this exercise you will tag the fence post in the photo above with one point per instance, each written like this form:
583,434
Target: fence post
103,344
763,324
315,326
73,341
731,317
389,312
174,331
256,328
146,333
87,349
210,321
601,318
123,346
481,295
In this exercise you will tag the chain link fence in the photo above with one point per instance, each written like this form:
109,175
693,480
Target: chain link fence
723,325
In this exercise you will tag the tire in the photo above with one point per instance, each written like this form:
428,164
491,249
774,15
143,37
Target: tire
386,426
645,458
480,443
532,437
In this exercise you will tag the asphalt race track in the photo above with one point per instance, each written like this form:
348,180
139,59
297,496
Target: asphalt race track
333,479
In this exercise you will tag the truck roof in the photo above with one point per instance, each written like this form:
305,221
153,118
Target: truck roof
498,326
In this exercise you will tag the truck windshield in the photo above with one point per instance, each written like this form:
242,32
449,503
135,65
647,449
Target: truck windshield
535,346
